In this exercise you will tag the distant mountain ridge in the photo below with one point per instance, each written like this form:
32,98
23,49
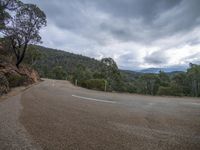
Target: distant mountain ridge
167,69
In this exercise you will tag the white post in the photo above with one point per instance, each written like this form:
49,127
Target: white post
76,82
105,85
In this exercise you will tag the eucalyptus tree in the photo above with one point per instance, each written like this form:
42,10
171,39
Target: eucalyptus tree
194,77
112,74
23,29
151,83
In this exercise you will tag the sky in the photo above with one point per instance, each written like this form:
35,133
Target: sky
137,34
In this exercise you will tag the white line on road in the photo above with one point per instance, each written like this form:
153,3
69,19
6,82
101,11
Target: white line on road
196,104
94,99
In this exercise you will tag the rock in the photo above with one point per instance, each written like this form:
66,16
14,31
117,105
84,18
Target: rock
11,76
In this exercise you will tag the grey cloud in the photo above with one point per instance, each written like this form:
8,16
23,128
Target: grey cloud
193,41
194,58
156,58
78,16
144,22
128,60
148,10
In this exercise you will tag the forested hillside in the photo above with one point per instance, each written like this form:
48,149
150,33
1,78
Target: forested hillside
46,60
105,75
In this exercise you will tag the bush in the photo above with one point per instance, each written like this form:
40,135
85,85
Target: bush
58,73
16,80
164,90
173,90
97,84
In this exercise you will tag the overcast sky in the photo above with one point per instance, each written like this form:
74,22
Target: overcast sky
135,33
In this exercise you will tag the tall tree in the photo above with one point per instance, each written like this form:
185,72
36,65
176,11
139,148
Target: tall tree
112,74
23,29
81,74
150,83
194,77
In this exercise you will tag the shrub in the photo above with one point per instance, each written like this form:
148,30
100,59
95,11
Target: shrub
58,73
4,85
16,80
97,84
173,90
164,90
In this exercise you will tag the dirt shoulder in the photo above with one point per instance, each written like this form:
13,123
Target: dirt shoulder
15,91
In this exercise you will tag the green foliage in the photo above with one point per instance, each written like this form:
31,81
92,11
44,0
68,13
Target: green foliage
182,81
150,83
16,80
111,73
32,56
164,90
97,84
193,74
164,79
173,89
58,73
110,63
52,58
81,74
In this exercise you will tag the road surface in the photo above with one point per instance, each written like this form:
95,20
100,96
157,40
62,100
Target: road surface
55,115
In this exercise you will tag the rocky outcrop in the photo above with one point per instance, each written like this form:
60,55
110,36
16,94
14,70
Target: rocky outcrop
11,76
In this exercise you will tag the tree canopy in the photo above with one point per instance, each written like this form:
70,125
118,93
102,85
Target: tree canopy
23,27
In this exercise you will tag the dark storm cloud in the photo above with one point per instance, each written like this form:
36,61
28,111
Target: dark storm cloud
148,10
100,24
156,18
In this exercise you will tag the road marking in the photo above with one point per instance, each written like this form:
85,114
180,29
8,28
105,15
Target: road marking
94,99
196,104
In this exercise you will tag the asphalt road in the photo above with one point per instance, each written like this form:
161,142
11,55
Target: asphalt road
55,115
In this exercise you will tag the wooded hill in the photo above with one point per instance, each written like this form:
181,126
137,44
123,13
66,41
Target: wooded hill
45,60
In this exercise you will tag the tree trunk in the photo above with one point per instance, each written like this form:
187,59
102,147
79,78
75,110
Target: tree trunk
21,57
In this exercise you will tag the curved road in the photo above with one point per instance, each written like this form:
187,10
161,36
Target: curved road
55,115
